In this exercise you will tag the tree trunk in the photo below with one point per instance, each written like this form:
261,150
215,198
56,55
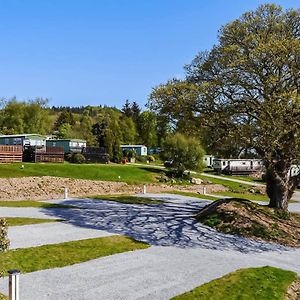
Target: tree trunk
280,188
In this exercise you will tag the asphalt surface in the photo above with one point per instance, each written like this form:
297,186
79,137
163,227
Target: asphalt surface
184,253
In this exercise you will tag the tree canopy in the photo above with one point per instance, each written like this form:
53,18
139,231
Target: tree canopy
247,90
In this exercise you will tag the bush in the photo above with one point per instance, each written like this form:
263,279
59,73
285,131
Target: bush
4,242
151,158
185,153
77,158
142,159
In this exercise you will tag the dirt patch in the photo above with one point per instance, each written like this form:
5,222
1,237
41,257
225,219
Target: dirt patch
46,187
242,217
293,292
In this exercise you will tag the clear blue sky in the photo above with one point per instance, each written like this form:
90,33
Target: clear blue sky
80,52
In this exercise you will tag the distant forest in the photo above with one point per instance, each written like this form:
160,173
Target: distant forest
100,125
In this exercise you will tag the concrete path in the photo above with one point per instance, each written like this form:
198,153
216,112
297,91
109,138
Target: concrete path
49,233
184,253
296,195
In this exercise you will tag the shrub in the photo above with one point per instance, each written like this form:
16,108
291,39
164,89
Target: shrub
185,153
77,158
142,159
4,242
151,158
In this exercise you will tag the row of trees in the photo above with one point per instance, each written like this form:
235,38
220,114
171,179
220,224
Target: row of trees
100,126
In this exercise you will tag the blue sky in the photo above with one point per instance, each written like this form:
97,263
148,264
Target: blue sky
92,52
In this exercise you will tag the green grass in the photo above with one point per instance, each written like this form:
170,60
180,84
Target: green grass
111,172
248,196
267,283
231,185
191,194
65,254
243,178
33,204
28,221
128,199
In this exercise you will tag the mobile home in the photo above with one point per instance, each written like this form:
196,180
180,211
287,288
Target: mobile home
140,150
208,160
69,145
237,166
24,140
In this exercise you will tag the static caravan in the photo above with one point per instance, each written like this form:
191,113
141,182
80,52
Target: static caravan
69,145
24,140
208,160
237,166
140,150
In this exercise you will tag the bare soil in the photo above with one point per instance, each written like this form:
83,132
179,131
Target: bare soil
46,187
242,217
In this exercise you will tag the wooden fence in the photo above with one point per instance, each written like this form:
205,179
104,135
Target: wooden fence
51,154
10,154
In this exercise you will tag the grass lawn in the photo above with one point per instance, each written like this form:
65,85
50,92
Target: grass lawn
65,254
265,283
128,199
111,172
191,194
33,204
248,196
231,185
28,221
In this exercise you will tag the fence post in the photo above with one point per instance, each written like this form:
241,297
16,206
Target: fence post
66,193
145,190
13,285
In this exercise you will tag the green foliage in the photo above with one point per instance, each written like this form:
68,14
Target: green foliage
77,158
250,91
151,158
266,283
4,242
185,152
24,117
148,129
65,254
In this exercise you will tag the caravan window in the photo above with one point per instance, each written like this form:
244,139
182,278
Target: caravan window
224,163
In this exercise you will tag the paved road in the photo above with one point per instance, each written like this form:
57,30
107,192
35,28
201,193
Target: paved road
184,253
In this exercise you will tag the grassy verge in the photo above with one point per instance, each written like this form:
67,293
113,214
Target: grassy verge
249,219
33,204
127,173
28,221
231,185
252,197
265,283
65,254
191,194
128,199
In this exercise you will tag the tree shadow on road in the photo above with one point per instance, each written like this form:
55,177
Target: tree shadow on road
168,224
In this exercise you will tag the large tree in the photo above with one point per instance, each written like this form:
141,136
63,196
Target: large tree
250,81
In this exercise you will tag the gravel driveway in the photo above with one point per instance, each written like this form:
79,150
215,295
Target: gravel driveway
184,253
